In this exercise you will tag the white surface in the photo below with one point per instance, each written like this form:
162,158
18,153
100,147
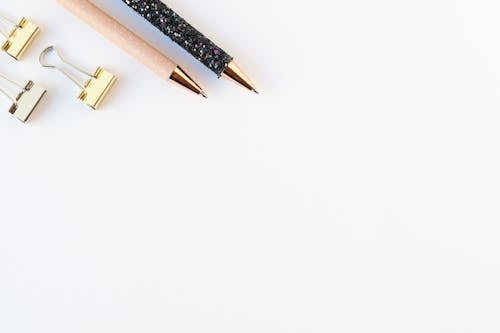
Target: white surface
358,193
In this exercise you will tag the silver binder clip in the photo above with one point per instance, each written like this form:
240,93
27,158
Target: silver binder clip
94,90
26,100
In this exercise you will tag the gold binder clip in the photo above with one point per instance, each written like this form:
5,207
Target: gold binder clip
19,38
94,90
26,101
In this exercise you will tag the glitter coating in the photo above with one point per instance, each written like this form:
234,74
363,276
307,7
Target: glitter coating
181,32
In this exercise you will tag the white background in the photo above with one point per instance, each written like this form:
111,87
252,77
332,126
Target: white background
358,193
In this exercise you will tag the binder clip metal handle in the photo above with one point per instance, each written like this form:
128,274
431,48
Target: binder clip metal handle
94,90
19,38
26,101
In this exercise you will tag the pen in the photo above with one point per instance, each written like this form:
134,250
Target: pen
190,39
131,43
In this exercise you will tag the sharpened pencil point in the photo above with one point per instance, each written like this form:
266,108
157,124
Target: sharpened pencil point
203,94
255,91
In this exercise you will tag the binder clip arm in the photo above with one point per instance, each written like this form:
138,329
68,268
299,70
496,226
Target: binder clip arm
94,90
19,38
26,101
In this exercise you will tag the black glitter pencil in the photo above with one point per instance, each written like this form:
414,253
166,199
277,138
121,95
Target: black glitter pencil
190,39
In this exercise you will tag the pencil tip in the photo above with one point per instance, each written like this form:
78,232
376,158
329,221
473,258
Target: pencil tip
202,93
255,91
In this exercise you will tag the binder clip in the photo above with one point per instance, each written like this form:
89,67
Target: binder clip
26,101
94,90
19,38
